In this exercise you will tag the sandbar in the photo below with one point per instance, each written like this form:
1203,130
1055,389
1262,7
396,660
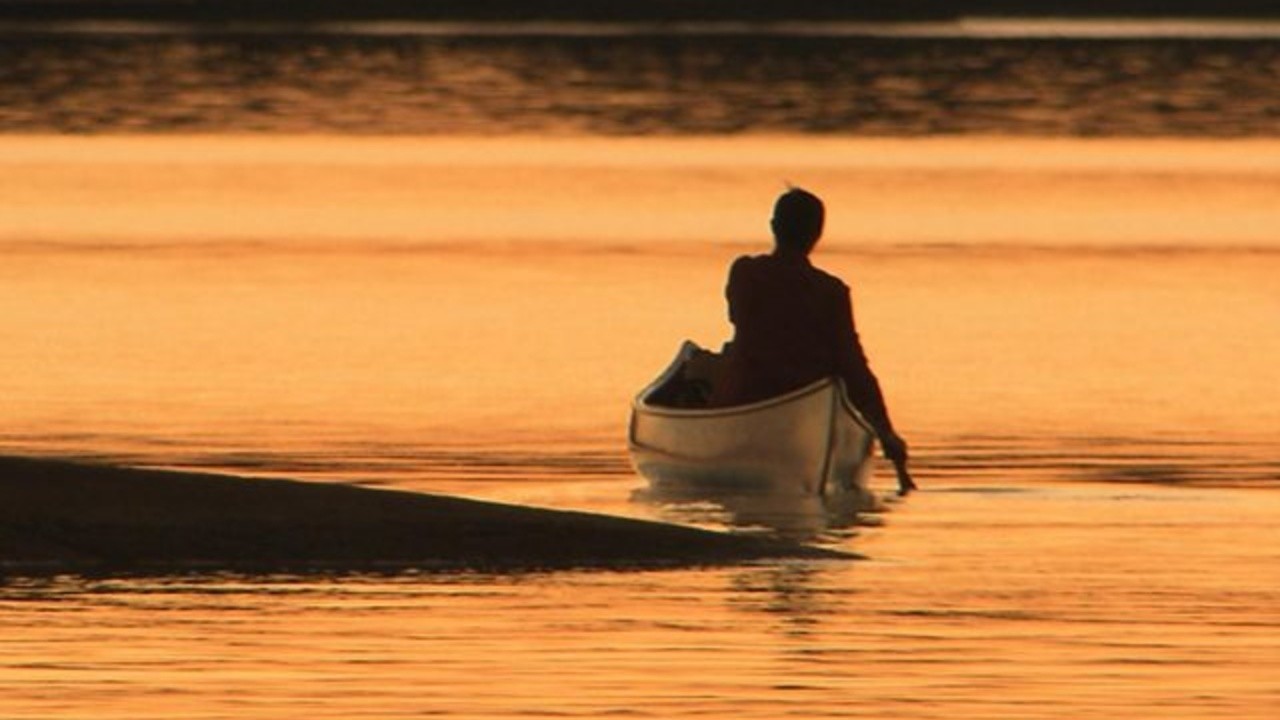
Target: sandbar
70,517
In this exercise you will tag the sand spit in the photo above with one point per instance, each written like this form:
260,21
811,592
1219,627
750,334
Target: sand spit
63,517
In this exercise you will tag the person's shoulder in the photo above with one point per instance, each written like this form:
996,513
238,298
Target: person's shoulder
751,260
748,264
829,281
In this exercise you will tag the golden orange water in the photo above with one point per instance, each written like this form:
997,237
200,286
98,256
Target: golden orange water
1079,338
1022,602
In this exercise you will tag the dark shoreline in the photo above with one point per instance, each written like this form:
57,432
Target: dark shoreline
61,517
231,11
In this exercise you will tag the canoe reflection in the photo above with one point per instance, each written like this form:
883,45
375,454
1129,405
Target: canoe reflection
784,514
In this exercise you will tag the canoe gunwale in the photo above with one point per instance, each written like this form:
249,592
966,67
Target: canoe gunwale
640,404
729,411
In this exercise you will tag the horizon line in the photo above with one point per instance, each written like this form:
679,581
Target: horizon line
973,27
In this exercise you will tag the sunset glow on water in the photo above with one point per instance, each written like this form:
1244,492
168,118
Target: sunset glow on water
442,255
1077,337
292,286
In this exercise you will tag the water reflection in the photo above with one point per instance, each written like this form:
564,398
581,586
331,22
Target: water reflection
774,512
792,592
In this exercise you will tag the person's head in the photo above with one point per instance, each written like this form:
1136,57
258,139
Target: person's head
798,216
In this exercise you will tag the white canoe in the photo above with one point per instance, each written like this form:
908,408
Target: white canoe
811,439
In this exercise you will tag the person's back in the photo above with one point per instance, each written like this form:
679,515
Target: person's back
793,325
786,315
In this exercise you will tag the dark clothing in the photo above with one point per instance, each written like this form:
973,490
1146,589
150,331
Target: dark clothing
793,325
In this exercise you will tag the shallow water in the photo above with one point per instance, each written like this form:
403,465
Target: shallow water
979,601
1078,338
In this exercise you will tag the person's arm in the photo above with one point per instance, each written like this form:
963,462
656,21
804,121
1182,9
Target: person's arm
734,289
864,391
726,388
855,370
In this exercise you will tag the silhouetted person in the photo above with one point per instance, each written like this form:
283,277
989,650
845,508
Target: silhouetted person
793,325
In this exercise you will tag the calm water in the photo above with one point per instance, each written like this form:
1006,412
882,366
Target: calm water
1079,337
982,602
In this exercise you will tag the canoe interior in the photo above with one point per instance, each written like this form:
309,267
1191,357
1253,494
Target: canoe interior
687,383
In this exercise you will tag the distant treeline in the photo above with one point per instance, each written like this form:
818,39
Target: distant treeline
214,11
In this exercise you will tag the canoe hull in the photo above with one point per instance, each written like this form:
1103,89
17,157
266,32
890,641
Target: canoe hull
811,440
